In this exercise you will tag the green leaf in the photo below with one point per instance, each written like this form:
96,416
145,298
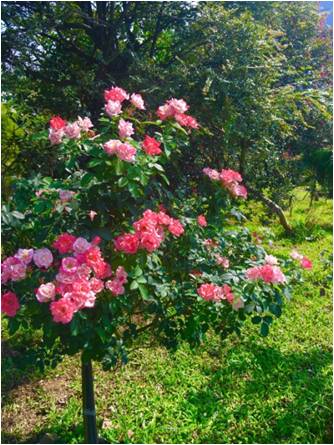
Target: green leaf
134,285
143,291
256,320
86,179
158,167
122,182
17,214
264,330
95,162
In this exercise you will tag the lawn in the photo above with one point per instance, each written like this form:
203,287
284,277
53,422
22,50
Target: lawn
251,389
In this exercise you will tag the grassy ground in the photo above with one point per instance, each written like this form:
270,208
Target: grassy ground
250,390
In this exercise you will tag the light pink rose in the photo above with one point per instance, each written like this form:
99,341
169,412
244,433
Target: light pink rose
121,275
72,131
111,147
25,255
43,258
55,136
115,287
223,261
125,129
137,101
271,259
80,245
69,265
213,174
66,195
126,152
113,108
178,105
46,293
84,123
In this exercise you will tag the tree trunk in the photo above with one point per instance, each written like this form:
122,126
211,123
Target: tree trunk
275,208
88,402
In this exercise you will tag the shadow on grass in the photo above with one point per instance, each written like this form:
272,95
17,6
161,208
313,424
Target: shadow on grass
289,391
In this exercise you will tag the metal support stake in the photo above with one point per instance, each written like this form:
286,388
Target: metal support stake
88,403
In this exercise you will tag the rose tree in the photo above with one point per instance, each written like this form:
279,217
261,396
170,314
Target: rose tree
103,251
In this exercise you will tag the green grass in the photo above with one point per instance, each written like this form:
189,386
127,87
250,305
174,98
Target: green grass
248,390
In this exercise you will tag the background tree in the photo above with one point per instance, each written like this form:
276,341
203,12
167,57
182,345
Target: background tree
258,74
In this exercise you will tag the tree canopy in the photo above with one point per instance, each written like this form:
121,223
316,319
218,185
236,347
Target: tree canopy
259,75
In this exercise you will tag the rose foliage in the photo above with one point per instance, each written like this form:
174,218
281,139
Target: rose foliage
102,252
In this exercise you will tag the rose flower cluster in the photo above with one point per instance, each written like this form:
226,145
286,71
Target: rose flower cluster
149,232
59,129
212,292
78,280
229,179
176,108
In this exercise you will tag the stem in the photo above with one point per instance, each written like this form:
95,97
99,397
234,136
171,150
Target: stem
88,403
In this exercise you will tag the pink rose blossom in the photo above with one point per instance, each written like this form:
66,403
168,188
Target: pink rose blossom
213,174
186,121
125,129
81,245
12,269
25,255
9,304
175,227
150,240
96,285
126,152
65,278
113,108
165,111
69,265
222,261
128,243
207,291
46,293
66,195
115,287
84,123
271,259
267,273
72,131
121,275
229,176
212,292
178,105
111,147
96,240
163,218
92,214
64,243
55,136
62,310
116,94
43,258
151,146
306,263
137,101
202,221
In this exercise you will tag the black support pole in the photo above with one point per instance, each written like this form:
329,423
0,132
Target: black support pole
88,403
